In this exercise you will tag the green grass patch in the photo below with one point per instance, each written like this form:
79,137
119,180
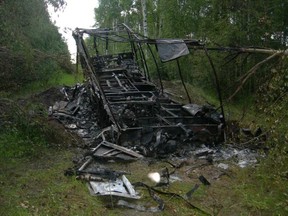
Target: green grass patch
21,135
17,143
38,187
262,191
176,90
25,131
66,79
58,79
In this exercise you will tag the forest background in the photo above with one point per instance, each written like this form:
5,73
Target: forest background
33,53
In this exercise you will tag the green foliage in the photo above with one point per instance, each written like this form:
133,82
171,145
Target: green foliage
114,12
31,48
272,102
108,13
58,79
216,22
57,4
20,135
25,131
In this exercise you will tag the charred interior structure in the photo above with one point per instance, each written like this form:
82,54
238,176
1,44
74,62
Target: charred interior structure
133,111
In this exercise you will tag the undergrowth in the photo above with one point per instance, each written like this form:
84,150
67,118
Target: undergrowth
20,135
27,138
60,78
25,131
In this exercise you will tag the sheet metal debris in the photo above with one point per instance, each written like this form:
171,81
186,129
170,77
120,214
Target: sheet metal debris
204,180
107,150
171,49
138,207
103,181
120,187
78,114
189,194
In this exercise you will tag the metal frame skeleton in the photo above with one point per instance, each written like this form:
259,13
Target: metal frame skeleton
120,113
140,114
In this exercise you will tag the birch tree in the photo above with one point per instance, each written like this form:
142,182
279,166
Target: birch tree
144,15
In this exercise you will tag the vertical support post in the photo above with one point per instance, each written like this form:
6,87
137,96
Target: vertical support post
106,47
181,77
77,60
147,75
157,67
217,84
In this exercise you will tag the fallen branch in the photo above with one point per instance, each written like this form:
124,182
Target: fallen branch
253,140
252,71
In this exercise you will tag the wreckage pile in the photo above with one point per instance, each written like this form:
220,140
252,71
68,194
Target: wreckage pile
77,113
123,116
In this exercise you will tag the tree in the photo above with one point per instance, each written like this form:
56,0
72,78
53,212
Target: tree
217,23
31,47
144,15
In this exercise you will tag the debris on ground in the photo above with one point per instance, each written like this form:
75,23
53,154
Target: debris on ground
122,116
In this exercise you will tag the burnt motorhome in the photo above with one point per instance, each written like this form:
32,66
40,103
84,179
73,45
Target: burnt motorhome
132,110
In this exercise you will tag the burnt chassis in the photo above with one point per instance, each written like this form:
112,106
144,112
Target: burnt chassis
140,114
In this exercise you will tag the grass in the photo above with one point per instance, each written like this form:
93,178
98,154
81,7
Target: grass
37,186
67,79
262,192
59,79
32,180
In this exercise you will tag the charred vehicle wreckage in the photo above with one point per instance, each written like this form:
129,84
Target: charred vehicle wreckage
122,115
139,114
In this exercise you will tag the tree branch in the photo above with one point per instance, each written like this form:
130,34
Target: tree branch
252,71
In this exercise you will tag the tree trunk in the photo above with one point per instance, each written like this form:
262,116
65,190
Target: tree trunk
144,13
